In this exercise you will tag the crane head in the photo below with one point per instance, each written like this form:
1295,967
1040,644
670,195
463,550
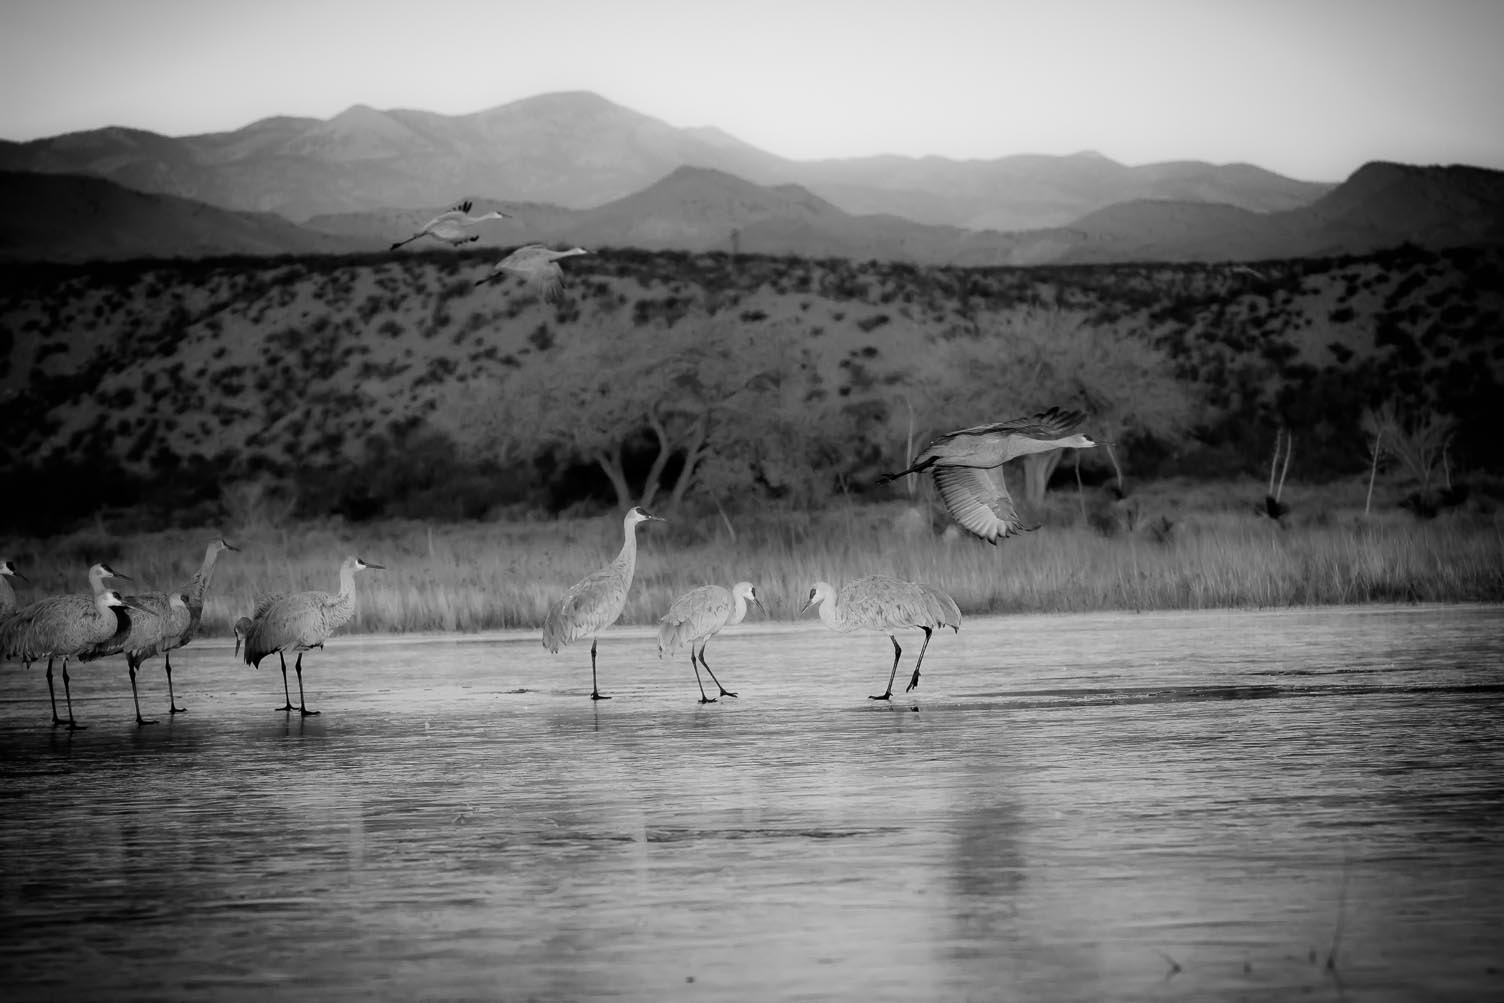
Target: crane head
818,593
640,514
748,591
8,568
103,570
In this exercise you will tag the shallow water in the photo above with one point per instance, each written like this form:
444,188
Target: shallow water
1189,806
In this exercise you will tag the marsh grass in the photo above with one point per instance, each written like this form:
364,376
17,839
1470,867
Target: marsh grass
471,577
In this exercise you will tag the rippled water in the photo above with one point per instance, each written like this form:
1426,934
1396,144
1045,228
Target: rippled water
1184,806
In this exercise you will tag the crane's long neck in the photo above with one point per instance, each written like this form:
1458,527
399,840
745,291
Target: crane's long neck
739,611
96,581
103,611
1023,446
7,595
626,561
833,615
347,583
200,583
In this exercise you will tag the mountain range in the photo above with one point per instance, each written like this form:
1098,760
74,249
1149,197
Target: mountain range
575,168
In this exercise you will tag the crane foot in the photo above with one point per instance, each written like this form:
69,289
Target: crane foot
597,696
886,696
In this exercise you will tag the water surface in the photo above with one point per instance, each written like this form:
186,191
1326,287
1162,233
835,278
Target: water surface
1189,806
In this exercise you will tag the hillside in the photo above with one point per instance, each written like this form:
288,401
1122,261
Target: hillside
62,217
314,367
71,218
580,151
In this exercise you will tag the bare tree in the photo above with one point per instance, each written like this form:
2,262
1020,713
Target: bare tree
702,393
1379,424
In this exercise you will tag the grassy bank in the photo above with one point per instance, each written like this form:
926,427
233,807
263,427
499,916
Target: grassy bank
1185,548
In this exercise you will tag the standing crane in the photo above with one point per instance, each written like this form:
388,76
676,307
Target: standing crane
699,615
64,627
967,467
453,227
595,602
300,622
196,590
887,605
7,591
538,265
154,618
164,624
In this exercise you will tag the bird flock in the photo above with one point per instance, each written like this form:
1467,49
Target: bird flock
88,627
536,263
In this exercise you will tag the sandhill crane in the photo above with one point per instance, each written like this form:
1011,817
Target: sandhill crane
967,467
196,590
155,618
596,601
246,624
301,621
537,264
453,227
7,592
887,605
63,627
243,628
699,615
166,624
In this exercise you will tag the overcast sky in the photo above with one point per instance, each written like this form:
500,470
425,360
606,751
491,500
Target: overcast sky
1309,88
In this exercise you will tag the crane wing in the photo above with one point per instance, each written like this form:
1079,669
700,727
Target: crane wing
549,279
978,500
1052,424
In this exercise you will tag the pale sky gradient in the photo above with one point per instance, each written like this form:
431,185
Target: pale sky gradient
1309,88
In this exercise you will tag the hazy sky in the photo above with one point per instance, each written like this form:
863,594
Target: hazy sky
1309,88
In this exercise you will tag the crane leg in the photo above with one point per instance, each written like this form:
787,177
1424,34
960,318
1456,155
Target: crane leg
133,665
897,652
51,695
68,696
724,691
302,704
287,702
696,667
595,690
914,679
172,701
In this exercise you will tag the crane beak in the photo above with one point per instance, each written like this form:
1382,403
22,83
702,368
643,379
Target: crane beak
805,608
17,574
230,546
374,567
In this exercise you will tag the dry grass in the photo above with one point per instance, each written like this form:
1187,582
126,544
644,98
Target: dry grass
484,576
